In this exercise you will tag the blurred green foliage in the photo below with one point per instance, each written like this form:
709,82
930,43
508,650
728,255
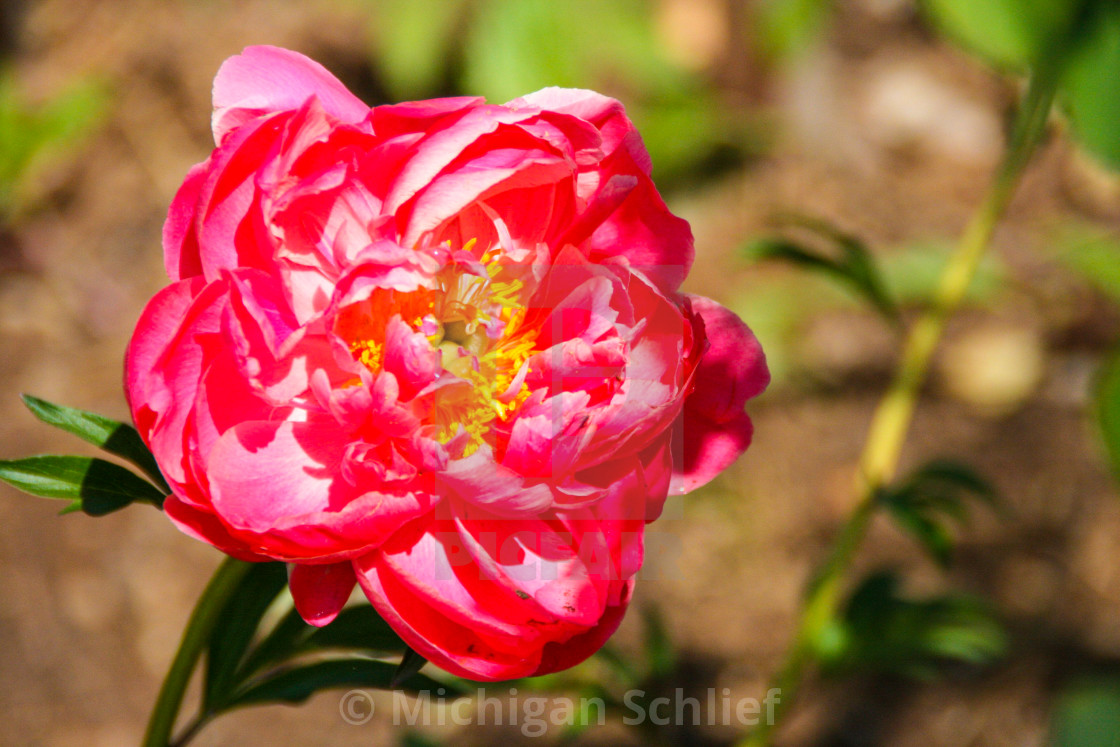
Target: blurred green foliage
34,135
502,49
1092,86
884,631
1078,38
846,259
1087,714
779,306
783,27
1010,33
924,503
1093,252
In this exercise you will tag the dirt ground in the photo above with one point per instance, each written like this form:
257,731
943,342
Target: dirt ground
882,129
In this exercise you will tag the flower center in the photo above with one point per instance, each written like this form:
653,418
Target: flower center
475,318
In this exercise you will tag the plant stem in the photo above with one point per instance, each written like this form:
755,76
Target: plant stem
893,416
191,730
195,638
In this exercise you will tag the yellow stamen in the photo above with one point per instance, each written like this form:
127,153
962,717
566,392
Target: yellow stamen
466,308
368,353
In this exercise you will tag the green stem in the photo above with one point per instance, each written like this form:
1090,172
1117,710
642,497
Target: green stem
195,637
893,416
192,729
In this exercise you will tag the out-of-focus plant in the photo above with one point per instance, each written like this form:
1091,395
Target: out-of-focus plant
1095,254
850,263
844,274
1070,49
502,48
882,630
34,135
784,27
1023,35
1088,714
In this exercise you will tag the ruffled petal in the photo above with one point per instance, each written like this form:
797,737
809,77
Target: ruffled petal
733,368
703,448
264,79
282,484
180,241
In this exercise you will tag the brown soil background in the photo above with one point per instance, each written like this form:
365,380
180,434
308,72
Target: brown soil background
881,129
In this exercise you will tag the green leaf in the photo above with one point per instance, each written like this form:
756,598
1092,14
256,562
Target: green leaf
929,533
619,665
237,622
1087,714
94,486
1091,85
410,664
1094,253
921,503
514,47
660,656
415,739
358,627
1012,33
915,637
853,266
1108,408
286,637
296,684
113,436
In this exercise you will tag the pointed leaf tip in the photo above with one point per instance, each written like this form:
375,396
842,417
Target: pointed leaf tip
92,485
115,437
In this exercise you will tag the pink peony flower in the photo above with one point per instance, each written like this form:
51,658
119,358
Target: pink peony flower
436,349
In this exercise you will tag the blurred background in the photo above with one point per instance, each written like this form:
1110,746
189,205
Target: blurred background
858,114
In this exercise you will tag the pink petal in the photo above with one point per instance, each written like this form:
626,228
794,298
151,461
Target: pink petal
282,486
480,596
320,591
732,369
605,113
205,526
453,647
174,342
558,656
500,170
482,481
561,563
158,324
225,399
429,116
441,148
229,226
264,79
641,229
703,448
264,472
410,357
180,241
